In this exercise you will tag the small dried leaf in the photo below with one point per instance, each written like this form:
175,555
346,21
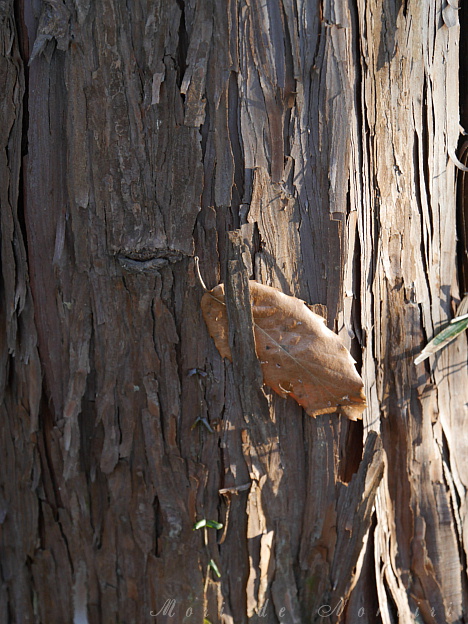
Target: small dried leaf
300,357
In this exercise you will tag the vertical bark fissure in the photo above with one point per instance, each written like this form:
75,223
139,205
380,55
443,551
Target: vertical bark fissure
182,47
238,196
24,53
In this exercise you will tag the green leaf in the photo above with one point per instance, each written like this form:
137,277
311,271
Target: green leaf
211,524
456,326
215,568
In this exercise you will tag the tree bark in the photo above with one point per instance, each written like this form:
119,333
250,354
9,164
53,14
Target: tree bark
310,146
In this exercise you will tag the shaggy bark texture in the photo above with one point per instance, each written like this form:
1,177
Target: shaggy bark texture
322,136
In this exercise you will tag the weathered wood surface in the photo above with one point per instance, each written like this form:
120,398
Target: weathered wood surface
408,289
134,135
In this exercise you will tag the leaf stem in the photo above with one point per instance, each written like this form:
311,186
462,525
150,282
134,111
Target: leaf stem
197,271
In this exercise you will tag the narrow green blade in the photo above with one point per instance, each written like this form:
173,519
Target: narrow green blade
215,568
449,333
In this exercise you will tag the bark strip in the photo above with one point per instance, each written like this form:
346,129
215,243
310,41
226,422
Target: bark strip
247,371
354,516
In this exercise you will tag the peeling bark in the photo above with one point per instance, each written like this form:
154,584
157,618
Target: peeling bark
322,137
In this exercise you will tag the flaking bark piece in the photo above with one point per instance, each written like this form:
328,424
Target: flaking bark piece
300,357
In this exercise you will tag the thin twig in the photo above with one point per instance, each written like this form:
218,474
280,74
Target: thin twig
197,271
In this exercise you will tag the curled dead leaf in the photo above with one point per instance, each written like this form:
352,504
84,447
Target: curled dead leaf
300,357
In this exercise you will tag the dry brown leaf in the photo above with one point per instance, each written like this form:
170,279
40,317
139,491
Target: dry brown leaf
300,357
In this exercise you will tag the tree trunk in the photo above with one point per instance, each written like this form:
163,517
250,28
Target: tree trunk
322,137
